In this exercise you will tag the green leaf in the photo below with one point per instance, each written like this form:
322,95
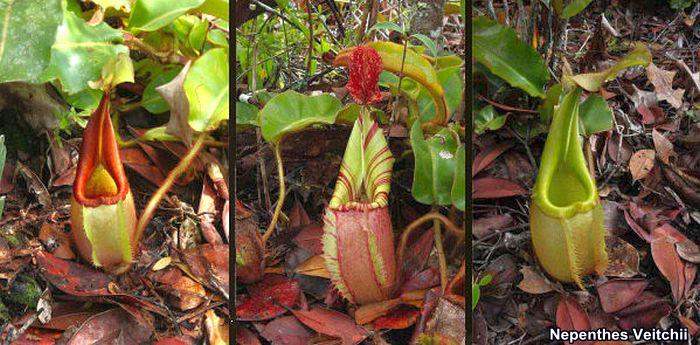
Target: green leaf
574,7
197,35
595,115
487,118
27,31
81,50
435,163
291,112
246,114
217,37
476,293
151,99
119,5
639,56
449,61
216,8
158,134
427,42
151,15
499,49
116,71
207,88
351,111
389,26
459,196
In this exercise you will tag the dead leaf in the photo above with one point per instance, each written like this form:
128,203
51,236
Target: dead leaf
693,76
493,188
174,94
663,85
286,330
209,263
645,312
484,158
400,318
114,326
332,323
245,336
484,226
314,266
680,274
641,164
533,282
56,241
217,329
185,293
71,277
206,213
570,316
617,294
623,258
663,146
268,299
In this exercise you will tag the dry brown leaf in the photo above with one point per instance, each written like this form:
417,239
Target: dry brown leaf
314,266
693,76
533,282
623,258
641,164
217,329
663,146
663,85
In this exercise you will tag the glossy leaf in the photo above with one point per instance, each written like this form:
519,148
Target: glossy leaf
207,88
246,114
499,49
151,15
488,118
81,50
435,165
415,66
639,56
290,112
551,100
459,196
574,7
595,114
27,31
116,71
216,8
566,217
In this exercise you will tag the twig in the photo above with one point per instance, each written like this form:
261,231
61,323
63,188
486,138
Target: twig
507,107
438,239
167,184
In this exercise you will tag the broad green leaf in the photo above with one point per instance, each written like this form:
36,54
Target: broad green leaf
452,83
574,7
216,8
488,118
427,42
291,112
81,51
435,165
391,81
551,100
639,56
389,26
448,61
27,31
151,15
350,112
499,49
595,115
207,88
197,35
217,37
476,294
116,71
415,67
86,100
246,114
459,196
151,99
365,174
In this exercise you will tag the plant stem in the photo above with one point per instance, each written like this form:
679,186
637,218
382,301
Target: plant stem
442,261
280,198
167,184
435,216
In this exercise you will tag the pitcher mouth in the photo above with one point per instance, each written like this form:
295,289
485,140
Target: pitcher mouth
99,150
